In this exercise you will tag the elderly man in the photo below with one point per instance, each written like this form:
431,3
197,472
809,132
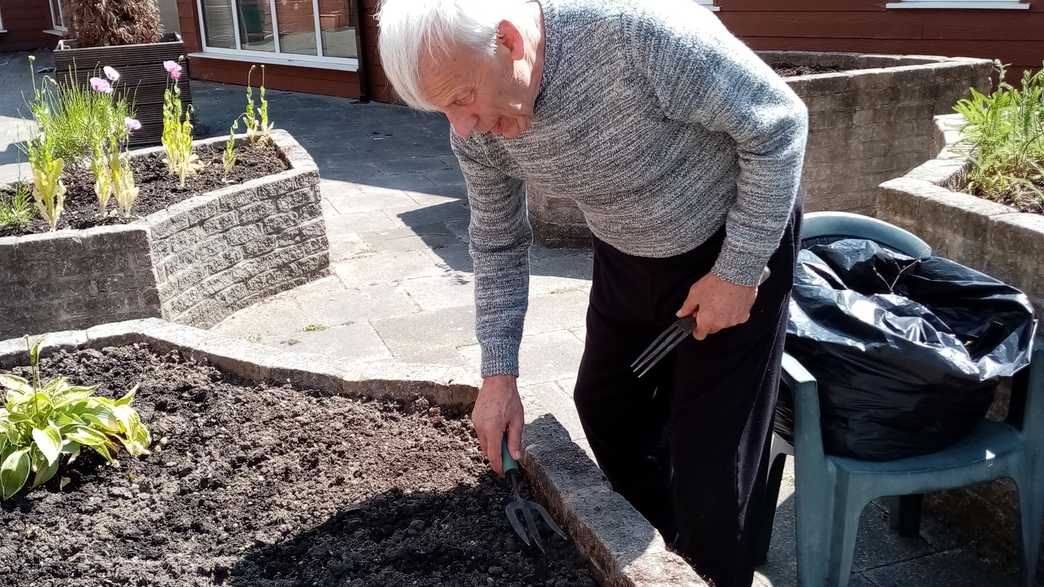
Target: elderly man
684,151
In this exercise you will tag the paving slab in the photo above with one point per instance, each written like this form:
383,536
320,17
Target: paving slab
352,341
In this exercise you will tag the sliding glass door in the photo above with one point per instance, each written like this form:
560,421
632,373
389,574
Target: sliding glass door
295,31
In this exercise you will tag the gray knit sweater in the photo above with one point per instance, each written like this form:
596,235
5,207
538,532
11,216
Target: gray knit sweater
661,125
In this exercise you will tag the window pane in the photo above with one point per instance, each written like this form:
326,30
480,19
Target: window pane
335,22
296,26
56,13
255,25
217,22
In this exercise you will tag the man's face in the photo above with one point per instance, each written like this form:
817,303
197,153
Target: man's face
480,92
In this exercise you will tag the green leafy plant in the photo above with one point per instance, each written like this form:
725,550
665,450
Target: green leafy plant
123,187
48,189
229,157
17,210
255,117
42,422
177,128
1005,131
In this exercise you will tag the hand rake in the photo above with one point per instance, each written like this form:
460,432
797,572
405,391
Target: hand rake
522,513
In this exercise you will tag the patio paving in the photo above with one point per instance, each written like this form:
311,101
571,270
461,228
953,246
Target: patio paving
401,287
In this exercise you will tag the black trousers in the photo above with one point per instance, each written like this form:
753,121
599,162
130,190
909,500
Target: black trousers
687,444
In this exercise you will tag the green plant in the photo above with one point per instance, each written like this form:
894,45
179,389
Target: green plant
250,115
42,422
123,187
1006,133
17,210
177,128
48,189
96,23
229,157
255,117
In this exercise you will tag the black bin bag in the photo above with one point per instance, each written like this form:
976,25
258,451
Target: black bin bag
907,352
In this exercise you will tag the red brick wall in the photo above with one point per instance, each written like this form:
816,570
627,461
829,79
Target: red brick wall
25,22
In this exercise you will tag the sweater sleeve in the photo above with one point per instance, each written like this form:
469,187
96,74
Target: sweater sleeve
699,73
499,239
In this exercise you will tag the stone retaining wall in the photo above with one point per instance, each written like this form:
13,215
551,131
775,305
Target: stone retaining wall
993,238
624,549
195,263
867,124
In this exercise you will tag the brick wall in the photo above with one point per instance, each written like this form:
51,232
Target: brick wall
59,282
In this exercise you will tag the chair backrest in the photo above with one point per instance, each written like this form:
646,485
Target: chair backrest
817,227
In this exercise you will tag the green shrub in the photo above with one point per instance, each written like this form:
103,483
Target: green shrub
1006,132
17,209
42,422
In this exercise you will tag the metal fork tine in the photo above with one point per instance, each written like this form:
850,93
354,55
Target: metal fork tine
531,527
676,337
512,514
649,349
547,518
657,352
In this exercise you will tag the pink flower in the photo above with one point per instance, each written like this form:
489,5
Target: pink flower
100,85
173,69
111,73
132,124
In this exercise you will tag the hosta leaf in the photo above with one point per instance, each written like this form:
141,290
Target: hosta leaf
13,472
128,418
72,449
44,471
87,437
128,397
104,414
71,398
49,441
16,384
103,450
63,482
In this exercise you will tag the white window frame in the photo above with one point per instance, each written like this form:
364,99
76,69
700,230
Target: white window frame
2,29
57,24
961,4
319,61
709,4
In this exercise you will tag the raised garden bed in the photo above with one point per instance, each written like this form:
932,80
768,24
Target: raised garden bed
870,119
280,467
252,483
194,262
993,238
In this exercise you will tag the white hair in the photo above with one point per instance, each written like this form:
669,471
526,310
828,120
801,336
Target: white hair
410,28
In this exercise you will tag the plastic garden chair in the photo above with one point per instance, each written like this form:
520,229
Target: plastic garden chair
831,491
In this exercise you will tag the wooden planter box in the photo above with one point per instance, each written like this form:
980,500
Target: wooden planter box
142,76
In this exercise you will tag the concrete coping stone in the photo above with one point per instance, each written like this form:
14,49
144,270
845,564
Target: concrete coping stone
622,546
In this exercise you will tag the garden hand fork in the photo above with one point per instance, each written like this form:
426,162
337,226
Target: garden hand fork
678,331
520,512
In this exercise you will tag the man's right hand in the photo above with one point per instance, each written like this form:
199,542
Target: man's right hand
498,408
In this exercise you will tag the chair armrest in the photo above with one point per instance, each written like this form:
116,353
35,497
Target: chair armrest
808,435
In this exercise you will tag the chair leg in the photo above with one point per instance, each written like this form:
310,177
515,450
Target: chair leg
904,514
763,538
1031,510
847,509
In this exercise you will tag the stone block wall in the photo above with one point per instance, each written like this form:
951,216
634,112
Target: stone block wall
987,236
49,283
194,263
867,124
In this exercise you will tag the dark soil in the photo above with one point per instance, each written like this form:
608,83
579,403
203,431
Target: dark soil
256,485
158,189
791,70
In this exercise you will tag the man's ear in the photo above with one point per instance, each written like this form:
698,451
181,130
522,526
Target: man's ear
509,36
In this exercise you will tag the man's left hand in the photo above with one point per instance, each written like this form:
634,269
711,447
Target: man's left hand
717,305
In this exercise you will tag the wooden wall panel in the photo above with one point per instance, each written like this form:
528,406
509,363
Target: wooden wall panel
25,22
1015,37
